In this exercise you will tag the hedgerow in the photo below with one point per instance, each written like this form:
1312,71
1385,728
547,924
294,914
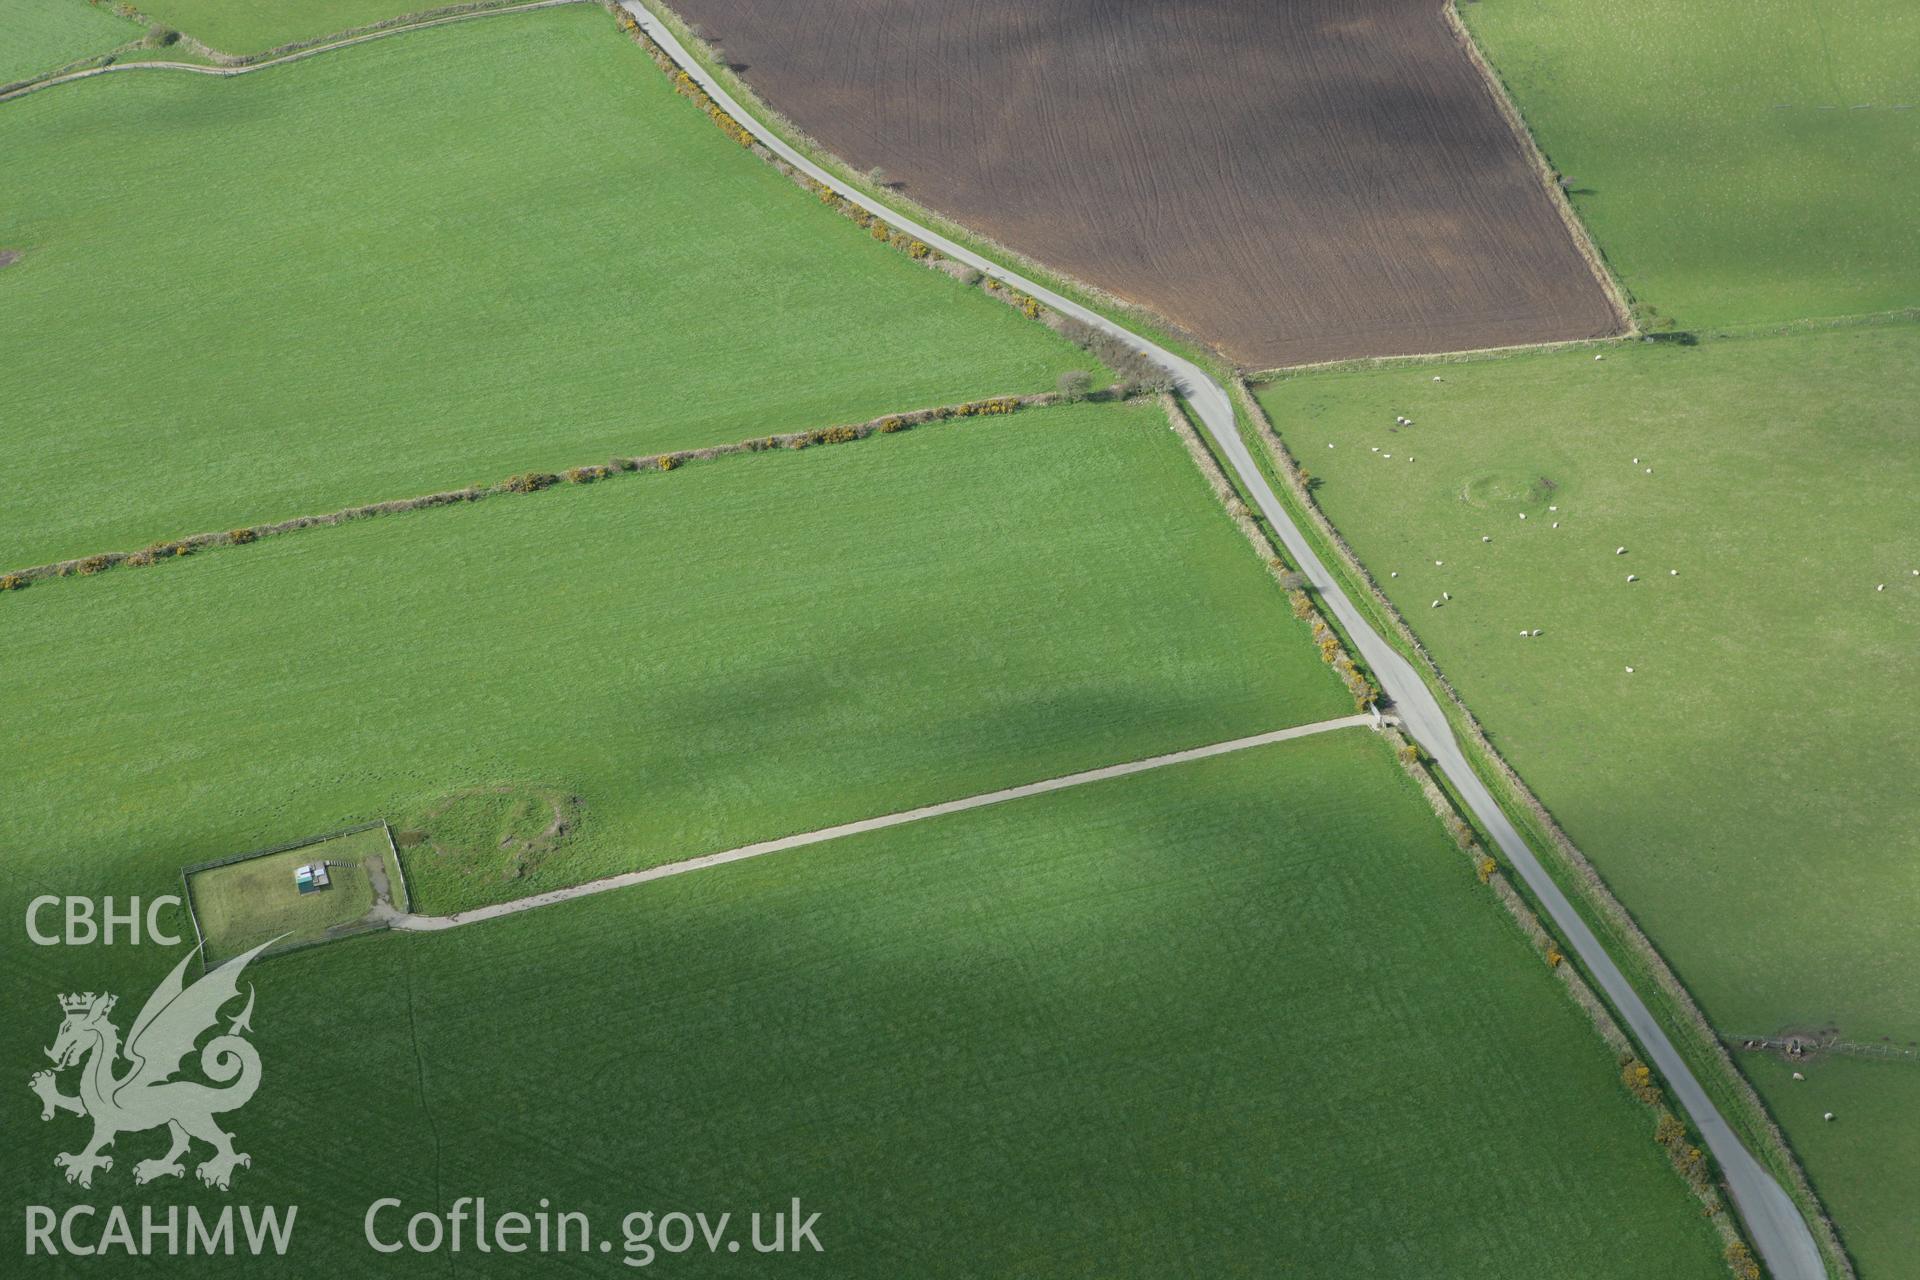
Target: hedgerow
1669,1131
1691,1020
1134,371
529,482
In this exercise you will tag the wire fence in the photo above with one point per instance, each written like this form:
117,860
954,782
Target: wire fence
400,902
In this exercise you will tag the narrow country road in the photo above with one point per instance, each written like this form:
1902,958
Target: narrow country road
427,924
1781,1236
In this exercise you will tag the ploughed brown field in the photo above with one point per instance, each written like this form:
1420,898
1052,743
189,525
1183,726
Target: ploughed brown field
1291,180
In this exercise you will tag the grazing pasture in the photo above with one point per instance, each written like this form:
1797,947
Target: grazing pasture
1747,789
673,663
1863,1159
399,268
1292,182
1738,161
1733,746
1241,1017
39,35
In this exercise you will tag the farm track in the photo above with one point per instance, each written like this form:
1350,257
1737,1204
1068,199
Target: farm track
1295,183
430,924
1779,1233
1771,1219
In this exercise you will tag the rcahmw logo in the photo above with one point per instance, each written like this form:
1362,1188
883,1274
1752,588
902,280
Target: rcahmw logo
132,1086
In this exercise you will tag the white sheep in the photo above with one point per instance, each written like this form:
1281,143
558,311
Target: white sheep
1599,357
1485,538
1619,551
1446,595
1673,573
1556,524
1553,508
1436,377
1828,1116
1436,604
1633,577
1523,635
1629,670
1798,1076
1436,564
1523,515
1536,631
1881,587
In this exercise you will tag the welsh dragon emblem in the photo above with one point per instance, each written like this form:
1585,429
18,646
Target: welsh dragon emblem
145,1094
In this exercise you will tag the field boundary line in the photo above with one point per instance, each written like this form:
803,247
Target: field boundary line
193,868
188,872
1358,682
81,63
413,18
862,826
280,61
1743,332
1681,1155
1509,110
1145,320
400,870
1801,325
1465,355
1798,1048
1594,889
1461,832
1165,329
537,481
200,938
1773,1220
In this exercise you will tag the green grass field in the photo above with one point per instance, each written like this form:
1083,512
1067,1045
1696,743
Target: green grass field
39,35
763,644
243,904
1738,162
1249,1017
393,270
1863,1160
249,26
1747,790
